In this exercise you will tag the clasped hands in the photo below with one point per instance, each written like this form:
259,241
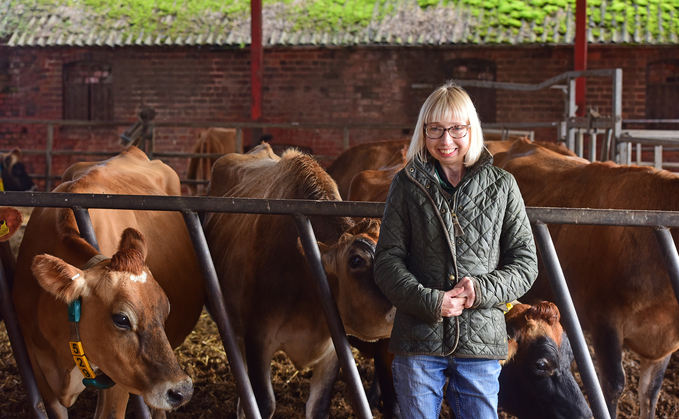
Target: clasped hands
460,297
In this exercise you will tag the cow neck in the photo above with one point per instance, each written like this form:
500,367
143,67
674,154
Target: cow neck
102,381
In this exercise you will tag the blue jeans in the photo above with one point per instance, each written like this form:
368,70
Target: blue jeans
472,387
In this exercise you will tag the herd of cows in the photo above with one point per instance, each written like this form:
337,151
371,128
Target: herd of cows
141,292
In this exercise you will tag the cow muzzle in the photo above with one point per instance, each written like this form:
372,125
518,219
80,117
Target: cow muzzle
171,396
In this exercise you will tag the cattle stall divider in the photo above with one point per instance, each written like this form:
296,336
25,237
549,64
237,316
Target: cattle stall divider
50,152
190,207
573,128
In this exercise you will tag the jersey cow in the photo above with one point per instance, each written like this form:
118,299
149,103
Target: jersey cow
377,155
10,222
617,278
210,141
126,328
269,292
14,176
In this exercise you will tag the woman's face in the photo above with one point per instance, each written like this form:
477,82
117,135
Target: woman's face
449,151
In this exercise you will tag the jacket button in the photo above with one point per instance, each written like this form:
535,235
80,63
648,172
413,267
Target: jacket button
443,210
412,170
459,242
427,186
452,277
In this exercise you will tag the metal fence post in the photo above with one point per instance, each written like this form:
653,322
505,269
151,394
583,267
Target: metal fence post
16,340
215,301
332,316
82,218
668,250
570,320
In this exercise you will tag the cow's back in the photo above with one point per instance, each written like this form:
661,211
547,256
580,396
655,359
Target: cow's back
616,274
365,156
257,257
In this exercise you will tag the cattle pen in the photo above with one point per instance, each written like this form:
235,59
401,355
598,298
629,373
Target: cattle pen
191,207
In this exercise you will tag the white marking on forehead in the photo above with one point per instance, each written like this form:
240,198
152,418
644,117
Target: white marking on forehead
139,278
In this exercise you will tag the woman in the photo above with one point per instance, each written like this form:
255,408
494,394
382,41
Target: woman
455,246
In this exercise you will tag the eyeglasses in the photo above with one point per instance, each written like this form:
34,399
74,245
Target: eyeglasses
435,132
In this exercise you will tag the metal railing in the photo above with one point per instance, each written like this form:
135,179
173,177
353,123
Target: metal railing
299,209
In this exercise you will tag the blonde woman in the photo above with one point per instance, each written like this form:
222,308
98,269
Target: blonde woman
455,246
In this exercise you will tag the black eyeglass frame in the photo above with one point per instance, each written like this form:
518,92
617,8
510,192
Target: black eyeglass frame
424,128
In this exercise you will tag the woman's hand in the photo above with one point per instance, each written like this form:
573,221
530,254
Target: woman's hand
460,297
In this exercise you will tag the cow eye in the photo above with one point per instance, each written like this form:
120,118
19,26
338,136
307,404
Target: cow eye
542,366
356,262
122,321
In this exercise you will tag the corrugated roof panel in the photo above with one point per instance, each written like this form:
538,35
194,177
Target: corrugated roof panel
392,22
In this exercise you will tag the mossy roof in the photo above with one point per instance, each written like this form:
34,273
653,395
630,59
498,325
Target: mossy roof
333,22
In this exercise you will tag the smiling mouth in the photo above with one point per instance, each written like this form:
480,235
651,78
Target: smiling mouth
447,152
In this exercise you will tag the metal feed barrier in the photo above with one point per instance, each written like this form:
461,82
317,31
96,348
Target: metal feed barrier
299,210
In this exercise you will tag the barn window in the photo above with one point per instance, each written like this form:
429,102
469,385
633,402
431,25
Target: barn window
483,97
88,93
662,92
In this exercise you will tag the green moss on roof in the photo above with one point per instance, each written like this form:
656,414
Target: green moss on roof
539,20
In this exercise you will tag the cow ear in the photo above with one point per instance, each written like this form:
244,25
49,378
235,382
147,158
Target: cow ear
513,347
321,247
65,282
10,221
133,239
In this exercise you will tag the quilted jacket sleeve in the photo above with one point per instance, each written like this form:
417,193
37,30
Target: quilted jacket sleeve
518,265
391,272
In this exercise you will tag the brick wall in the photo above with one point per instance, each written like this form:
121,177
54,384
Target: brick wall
371,85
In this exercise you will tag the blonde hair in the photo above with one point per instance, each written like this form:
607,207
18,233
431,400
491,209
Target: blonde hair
448,100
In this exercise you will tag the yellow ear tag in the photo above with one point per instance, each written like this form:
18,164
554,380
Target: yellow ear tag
4,230
509,306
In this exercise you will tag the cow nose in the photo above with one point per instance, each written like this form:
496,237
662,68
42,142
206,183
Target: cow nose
180,394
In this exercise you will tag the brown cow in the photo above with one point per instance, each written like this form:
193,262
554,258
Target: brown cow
373,185
617,278
211,141
536,380
14,176
270,295
364,156
10,222
125,328
375,155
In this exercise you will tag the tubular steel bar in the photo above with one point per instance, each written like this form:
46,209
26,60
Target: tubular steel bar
538,216
570,320
668,250
82,218
332,316
215,301
16,340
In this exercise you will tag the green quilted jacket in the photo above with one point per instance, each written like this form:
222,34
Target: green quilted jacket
429,240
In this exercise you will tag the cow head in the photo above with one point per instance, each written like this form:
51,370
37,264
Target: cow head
365,311
10,221
122,321
536,380
14,176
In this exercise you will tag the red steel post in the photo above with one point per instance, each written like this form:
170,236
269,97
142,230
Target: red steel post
580,60
256,58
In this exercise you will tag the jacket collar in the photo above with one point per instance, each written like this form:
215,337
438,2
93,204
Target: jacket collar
423,171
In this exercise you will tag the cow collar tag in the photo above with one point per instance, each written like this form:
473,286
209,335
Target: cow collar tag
102,381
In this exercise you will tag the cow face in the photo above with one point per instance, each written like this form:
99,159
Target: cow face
10,221
14,176
122,321
365,311
536,381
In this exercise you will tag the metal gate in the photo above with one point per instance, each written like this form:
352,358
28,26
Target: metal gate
299,210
